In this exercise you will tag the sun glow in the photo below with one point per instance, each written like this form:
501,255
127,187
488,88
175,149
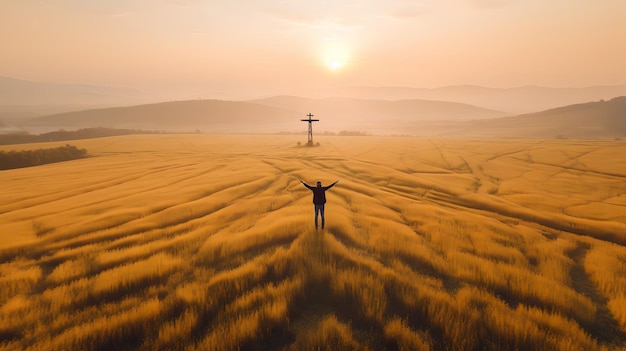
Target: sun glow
334,64
335,54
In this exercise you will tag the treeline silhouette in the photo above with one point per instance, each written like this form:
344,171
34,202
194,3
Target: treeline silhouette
329,133
27,158
62,135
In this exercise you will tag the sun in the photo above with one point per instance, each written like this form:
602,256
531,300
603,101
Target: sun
335,54
334,65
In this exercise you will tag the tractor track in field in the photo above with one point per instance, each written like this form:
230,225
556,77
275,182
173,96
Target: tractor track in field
604,327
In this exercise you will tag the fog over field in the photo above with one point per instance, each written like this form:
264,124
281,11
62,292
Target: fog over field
207,242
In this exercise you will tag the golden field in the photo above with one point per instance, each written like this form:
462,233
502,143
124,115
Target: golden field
206,242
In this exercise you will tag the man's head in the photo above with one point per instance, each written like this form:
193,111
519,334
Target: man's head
319,183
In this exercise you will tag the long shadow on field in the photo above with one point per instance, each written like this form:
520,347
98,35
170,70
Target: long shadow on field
323,309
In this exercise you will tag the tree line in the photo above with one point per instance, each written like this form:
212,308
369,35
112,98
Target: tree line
60,135
27,158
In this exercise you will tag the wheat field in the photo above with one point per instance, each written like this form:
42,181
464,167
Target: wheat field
207,242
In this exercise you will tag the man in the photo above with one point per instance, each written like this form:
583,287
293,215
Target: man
319,198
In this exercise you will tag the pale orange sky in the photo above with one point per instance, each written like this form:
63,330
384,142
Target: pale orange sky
246,48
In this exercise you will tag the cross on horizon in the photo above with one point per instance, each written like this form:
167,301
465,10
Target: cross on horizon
310,135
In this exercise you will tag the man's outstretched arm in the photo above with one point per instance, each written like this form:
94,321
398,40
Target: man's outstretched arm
332,185
305,184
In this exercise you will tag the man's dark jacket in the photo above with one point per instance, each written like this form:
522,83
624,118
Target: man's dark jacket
319,193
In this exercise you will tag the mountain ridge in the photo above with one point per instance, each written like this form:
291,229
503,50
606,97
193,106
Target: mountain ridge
182,116
265,115
516,100
24,92
21,98
600,119
597,119
26,99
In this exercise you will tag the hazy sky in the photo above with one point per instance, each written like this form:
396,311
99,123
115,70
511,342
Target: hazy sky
246,48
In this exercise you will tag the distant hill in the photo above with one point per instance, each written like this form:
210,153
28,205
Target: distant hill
26,99
22,98
377,110
266,115
602,119
378,115
514,100
183,116
7,128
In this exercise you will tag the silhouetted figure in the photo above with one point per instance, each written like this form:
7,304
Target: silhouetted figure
319,198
